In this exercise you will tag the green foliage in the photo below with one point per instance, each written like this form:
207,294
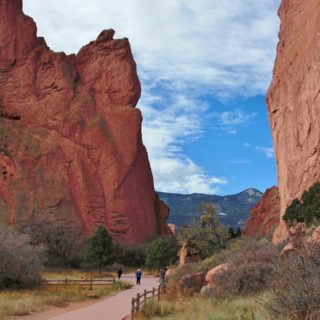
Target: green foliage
99,250
234,234
131,257
206,235
307,209
160,254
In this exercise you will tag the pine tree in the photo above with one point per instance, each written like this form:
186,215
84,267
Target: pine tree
159,254
99,250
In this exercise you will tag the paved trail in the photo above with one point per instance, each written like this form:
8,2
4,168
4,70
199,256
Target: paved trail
112,308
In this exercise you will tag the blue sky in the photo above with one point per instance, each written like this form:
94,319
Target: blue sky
204,65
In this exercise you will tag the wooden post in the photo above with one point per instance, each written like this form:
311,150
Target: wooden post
145,297
91,282
138,302
65,281
153,292
132,308
159,289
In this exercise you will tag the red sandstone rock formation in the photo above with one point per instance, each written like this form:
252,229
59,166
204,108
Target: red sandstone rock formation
264,216
172,228
294,101
186,255
217,272
70,137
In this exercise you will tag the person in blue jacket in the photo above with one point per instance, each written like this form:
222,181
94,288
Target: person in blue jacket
138,276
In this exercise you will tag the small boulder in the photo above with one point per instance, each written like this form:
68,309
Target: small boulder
216,272
192,282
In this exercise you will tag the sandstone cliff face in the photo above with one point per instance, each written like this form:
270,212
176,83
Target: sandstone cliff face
294,101
70,137
265,215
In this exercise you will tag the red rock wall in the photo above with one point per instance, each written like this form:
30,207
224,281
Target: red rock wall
265,215
294,101
70,137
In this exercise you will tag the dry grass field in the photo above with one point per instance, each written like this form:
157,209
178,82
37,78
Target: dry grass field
26,302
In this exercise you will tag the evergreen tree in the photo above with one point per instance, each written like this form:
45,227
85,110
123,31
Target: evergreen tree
99,250
231,232
159,254
238,232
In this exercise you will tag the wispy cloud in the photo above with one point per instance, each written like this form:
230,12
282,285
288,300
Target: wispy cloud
230,121
185,51
165,132
268,151
226,47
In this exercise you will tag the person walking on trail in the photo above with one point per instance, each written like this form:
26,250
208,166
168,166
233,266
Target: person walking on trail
162,278
119,272
138,276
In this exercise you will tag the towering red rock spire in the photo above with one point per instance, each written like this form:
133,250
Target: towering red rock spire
71,147
294,101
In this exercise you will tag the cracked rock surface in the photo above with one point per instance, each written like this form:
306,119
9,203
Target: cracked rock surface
70,135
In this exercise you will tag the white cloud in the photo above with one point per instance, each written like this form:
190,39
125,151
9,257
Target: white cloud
247,144
225,47
183,176
185,50
165,132
230,121
268,151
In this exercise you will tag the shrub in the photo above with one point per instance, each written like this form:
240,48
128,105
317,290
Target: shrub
20,262
306,209
232,247
250,271
296,289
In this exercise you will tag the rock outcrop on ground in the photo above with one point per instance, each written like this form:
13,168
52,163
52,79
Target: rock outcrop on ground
265,215
214,274
70,135
294,102
186,255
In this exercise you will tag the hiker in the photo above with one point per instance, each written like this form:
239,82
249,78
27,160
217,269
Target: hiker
138,276
119,272
162,278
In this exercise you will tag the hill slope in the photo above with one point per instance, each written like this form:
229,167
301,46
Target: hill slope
233,210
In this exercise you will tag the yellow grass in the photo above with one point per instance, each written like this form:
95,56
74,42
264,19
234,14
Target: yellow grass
244,308
61,274
26,302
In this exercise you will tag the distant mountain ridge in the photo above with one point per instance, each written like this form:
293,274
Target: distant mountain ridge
233,210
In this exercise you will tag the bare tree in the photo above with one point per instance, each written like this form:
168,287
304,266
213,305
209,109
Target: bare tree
20,261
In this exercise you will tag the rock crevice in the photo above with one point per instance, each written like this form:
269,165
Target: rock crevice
78,138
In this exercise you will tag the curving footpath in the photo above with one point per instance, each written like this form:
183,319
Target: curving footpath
116,307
